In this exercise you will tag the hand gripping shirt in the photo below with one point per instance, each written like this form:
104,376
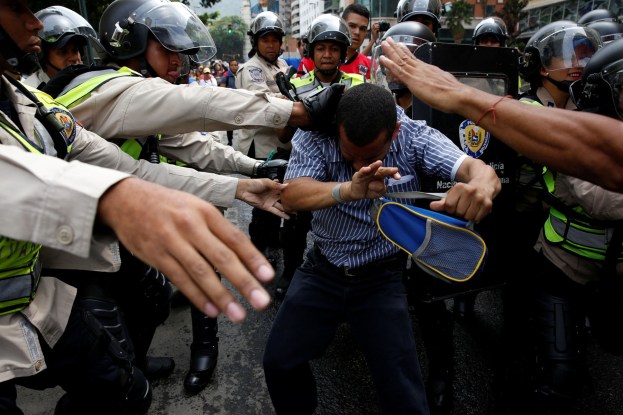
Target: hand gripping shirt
345,233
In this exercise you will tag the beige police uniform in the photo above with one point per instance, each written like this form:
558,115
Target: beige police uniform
54,203
130,107
259,75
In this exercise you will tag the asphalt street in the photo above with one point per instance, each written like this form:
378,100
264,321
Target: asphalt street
344,386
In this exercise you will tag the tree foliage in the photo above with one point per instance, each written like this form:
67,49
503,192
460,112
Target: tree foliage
512,13
460,13
229,43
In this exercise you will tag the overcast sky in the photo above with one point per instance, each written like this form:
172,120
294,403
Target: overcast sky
225,7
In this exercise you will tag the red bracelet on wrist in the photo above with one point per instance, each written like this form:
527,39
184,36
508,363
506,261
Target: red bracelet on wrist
492,109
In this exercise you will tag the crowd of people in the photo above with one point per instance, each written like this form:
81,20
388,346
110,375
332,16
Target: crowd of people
86,271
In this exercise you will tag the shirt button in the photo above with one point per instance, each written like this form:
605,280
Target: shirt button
238,119
277,119
38,365
65,235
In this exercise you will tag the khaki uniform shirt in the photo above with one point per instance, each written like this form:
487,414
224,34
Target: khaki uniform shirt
131,107
54,203
258,75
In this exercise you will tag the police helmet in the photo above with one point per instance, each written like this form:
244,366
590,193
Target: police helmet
597,15
126,25
328,27
412,35
608,30
408,9
263,24
492,26
61,25
564,40
601,86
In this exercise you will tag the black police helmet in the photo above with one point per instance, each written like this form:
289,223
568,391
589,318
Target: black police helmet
557,39
263,24
598,15
126,25
493,26
601,86
328,27
608,30
412,35
408,9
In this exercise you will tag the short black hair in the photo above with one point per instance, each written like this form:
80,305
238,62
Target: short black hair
357,8
365,111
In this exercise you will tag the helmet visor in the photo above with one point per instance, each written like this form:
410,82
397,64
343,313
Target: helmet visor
58,22
383,77
177,28
568,48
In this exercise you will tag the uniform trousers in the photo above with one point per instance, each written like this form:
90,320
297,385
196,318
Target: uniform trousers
372,300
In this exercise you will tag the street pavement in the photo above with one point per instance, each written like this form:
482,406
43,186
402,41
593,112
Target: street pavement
344,387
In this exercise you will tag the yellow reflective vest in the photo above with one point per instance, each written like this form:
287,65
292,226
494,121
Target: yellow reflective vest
20,268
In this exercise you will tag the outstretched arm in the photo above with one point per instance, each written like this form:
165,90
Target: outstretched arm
587,146
187,238
305,193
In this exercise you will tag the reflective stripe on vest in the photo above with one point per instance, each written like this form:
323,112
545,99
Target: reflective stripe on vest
575,231
20,268
305,84
82,91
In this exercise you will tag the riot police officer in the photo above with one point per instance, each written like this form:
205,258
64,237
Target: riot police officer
266,34
63,40
48,337
554,57
427,12
490,32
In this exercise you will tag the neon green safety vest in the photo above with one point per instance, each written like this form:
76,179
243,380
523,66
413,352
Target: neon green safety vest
82,90
20,268
574,230
570,227
308,83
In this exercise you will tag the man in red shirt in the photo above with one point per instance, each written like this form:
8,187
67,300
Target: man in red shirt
357,17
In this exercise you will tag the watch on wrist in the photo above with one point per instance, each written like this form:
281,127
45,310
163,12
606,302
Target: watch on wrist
336,193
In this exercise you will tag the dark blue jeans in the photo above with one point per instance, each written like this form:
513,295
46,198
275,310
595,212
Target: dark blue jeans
374,303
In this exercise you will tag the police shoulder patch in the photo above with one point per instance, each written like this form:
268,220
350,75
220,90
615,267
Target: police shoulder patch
474,139
257,75
67,120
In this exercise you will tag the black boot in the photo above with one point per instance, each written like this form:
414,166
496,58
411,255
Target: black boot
203,352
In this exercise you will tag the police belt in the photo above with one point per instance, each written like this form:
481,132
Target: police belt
369,268
19,287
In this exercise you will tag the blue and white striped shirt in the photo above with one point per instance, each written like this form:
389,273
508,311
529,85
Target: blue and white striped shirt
345,233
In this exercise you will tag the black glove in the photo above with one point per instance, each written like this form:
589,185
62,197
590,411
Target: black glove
322,106
284,85
273,169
